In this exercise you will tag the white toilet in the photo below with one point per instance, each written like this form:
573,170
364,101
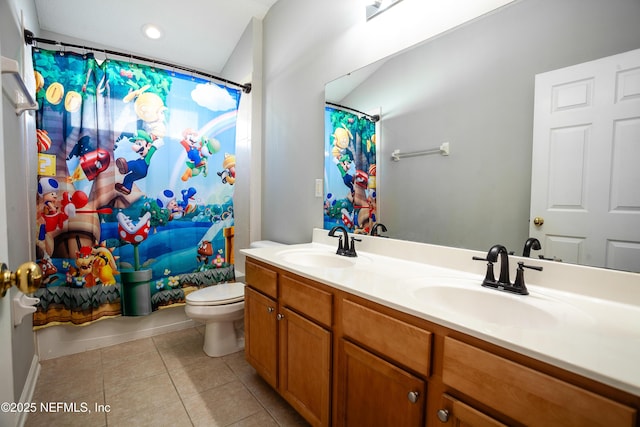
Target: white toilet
221,308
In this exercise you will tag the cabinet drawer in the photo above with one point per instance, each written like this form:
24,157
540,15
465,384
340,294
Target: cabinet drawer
261,278
402,342
312,302
528,396
464,415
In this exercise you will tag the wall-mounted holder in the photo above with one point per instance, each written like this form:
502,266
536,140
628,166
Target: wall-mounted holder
443,149
23,306
376,7
15,89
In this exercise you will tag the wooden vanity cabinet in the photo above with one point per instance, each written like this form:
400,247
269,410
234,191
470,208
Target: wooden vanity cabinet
288,339
343,360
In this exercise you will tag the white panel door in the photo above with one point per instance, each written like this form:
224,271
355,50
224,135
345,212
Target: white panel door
7,418
585,181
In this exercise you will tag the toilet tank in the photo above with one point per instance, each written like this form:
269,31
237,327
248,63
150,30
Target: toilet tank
253,245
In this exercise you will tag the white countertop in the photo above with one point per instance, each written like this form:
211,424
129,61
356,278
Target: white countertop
588,334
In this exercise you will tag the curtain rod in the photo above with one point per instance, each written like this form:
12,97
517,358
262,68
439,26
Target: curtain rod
373,118
29,39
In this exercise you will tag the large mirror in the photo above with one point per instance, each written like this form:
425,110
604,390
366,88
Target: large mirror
473,87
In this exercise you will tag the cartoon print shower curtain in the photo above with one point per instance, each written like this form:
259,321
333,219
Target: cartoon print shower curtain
350,171
136,174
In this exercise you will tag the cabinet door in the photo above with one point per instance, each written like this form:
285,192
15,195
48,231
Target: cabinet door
376,393
458,414
305,366
260,330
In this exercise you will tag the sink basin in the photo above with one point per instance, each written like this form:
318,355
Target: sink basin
473,302
316,258
497,309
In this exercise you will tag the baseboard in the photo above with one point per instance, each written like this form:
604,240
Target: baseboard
29,388
62,340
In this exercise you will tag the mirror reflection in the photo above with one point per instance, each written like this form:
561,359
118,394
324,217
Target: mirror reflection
473,88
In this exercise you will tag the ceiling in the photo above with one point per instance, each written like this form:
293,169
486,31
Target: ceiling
199,34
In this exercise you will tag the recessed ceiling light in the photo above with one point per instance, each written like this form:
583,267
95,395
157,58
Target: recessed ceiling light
151,31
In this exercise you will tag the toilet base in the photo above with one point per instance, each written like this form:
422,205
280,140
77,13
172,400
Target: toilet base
221,338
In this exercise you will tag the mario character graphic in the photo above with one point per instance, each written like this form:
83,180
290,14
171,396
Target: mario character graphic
93,266
198,150
196,160
48,271
133,170
177,209
86,161
344,166
341,139
80,275
150,109
104,265
342,156
54,214
228,174
205,250
90,166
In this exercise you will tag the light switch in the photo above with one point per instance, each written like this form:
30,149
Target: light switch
319,191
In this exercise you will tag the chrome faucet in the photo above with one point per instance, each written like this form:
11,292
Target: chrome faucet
531,243
374,229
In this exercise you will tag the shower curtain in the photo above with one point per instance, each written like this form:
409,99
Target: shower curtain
136,175
349,171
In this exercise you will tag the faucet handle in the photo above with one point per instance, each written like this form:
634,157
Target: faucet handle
341,248
489,277
519,283
352,249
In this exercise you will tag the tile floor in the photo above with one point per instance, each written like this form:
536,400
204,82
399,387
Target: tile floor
166,380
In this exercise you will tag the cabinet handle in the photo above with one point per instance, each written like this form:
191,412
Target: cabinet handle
270,309
280,316
413,396
443,415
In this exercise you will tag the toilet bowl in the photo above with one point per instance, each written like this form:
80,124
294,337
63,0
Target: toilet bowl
221,308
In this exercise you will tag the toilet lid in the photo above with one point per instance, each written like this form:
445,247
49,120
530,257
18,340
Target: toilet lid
223,293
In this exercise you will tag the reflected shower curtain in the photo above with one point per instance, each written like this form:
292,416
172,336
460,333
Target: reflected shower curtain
349,171
135,186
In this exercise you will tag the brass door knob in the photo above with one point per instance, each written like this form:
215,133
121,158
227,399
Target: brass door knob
538,221
27,278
